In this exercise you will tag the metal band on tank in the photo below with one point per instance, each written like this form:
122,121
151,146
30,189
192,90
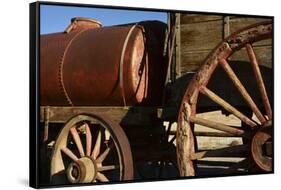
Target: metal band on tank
60,77
122,62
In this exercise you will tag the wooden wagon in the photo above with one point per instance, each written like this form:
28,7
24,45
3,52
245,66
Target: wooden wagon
215,119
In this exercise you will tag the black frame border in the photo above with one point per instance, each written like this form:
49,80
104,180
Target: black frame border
34,95
34,118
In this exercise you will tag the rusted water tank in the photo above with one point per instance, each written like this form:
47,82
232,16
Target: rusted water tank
91,65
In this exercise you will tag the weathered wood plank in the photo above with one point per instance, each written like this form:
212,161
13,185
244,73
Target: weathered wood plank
263,53
249,16
240,22
178,47
124,115
203,32
195,18
226,27
63,113
233,151
201,36
192,60
212,143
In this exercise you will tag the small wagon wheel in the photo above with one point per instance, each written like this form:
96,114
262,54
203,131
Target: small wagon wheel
91,148
257,149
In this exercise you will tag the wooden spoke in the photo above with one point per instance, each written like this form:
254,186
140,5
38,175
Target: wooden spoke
88,140
69,153
107,135
173,133
101,177
77,141
173,139
216,125
257,72
168,130
227,106
242,90
101,158
97,146
106,168
233,151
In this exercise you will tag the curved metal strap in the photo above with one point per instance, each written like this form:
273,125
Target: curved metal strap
60,77
121,82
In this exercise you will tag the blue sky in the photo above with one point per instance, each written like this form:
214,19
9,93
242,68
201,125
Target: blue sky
56,18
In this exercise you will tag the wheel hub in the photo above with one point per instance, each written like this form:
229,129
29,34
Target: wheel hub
261,148
83,170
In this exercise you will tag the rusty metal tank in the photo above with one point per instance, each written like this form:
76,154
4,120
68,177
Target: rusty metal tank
91,65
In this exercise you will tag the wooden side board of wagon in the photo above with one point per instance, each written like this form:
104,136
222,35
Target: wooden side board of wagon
199,34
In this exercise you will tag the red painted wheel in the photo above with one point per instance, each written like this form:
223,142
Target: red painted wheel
256,131
89,149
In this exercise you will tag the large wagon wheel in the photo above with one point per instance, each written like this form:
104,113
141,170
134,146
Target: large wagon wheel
257,146
91,148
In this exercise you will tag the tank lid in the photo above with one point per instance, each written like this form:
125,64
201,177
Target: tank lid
82,23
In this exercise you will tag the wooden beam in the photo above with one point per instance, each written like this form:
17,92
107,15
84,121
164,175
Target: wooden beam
226,27
123,115
178,45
